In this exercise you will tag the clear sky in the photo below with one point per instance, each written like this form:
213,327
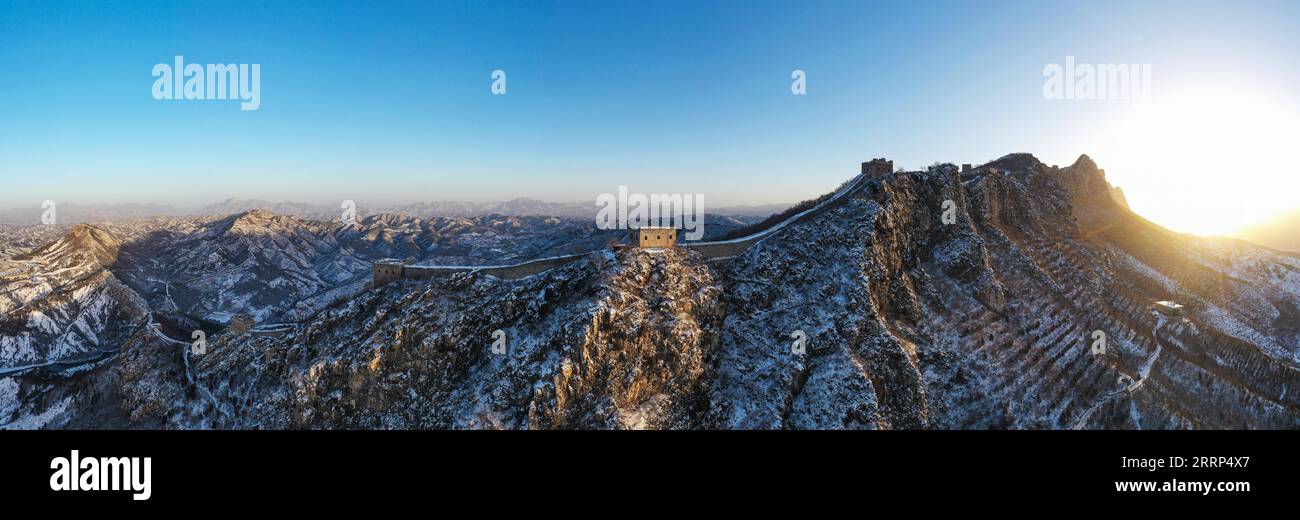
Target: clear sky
385,102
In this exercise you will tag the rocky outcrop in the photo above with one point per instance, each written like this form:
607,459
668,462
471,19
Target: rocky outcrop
647,357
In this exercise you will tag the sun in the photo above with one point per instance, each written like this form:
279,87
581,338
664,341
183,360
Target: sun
1207,161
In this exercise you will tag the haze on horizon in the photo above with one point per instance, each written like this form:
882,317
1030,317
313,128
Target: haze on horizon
391,103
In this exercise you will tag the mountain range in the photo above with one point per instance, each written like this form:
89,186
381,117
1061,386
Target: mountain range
1016,295
71,213
1279,233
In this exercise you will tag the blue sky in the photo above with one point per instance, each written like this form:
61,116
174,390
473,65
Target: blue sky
390,101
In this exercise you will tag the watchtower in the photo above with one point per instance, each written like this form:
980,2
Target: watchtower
877,168
1168,308
385,271
654,237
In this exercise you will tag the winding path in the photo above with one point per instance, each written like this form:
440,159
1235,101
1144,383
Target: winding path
185,356
1143,372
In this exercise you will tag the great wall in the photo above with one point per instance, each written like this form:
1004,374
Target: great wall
386,271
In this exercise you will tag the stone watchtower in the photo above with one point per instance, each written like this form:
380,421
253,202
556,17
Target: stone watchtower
877,168
654,237
387,270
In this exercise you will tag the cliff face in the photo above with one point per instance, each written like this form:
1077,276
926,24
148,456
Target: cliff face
924,300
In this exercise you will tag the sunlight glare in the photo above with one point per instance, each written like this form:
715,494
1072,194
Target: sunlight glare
1207,161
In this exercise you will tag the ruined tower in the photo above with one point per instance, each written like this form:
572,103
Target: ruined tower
877,168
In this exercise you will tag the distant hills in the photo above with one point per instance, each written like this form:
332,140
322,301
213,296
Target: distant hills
72,213
1280,233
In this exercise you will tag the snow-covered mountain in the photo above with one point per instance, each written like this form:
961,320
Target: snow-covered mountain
86,290
63,302
519,207
283,268
929,299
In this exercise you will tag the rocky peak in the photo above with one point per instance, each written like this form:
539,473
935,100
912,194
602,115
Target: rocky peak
260,222
1095,201
1021,163
93,235
87,240
1085,163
